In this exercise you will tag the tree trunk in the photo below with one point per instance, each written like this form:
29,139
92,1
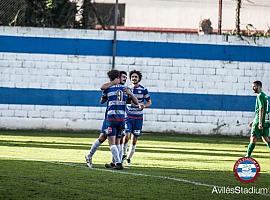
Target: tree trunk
237,17
79,14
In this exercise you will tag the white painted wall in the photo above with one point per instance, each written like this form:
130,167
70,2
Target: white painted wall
70,72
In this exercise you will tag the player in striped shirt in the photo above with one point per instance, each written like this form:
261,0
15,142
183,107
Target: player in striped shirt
134,120
102,137
115,120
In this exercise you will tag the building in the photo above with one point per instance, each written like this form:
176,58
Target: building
188,13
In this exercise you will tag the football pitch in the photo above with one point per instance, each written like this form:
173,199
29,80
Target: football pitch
50,165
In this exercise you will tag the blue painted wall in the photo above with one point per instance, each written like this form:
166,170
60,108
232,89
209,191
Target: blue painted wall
160,99
134,49
65,46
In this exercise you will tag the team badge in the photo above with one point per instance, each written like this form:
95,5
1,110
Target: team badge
246,170
108,131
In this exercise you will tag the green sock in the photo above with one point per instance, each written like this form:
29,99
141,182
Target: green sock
250,149
268,145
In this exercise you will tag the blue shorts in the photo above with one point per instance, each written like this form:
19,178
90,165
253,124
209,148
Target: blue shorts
134,126
104,127
115,129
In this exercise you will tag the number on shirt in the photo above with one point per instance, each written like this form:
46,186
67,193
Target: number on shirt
119,94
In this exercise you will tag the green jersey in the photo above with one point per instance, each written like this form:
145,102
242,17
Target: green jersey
261,102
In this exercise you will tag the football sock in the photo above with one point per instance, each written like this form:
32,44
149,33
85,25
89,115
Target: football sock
250,149
131,151
115,153
268,144
120,150
125,148
94,147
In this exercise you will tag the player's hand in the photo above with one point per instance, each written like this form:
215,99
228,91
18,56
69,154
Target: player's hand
126,90
141,106
116,81
250,124
260,126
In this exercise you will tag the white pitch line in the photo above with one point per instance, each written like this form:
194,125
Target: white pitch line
116,171
124,172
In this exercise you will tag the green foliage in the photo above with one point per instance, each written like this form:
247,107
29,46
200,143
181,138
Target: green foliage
49,4
50,13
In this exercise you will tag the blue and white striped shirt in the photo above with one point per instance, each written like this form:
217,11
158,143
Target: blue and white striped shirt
142,95
116,105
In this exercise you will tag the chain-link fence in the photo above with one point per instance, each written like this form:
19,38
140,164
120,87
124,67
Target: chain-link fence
40,13
12,12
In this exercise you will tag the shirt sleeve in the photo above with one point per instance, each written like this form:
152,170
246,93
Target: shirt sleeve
104,93
267,104
260,101
146,95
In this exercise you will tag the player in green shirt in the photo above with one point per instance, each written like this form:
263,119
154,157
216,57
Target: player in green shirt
259,127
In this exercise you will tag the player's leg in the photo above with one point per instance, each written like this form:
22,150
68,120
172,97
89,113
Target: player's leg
128,130
102,137
111,141
113,148
251,146
120,132
132,148
265,137
266,141
255,132
137,127
120,143
89,157
125,145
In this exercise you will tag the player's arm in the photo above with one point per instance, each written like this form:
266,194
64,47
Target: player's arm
109,84
104,96
147,104
148,100
131,95
129,100
103,99
261,112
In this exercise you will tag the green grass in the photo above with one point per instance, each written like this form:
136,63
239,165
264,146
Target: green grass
50,165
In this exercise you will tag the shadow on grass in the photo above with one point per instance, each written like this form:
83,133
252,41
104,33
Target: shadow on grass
53,180
51,133
177,151
162,137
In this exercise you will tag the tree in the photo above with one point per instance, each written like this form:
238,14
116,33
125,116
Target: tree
237,17
50,13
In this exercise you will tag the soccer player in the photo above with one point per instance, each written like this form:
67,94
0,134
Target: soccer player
134,119
115,120
102,137
258,126
119,138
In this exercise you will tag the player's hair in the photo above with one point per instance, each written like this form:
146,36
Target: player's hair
113,74
123,72
136,72
258,83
